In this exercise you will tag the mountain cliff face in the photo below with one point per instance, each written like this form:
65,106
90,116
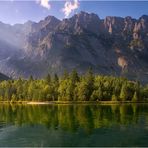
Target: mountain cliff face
114,45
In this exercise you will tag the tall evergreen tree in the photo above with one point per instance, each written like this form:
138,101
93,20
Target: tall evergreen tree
74,76
48,79
135,97
31,78
123,93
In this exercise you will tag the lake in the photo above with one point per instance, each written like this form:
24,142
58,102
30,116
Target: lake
73,125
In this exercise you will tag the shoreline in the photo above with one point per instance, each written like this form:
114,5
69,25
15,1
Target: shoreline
73,102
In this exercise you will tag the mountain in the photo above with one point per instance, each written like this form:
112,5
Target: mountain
3,77
111,46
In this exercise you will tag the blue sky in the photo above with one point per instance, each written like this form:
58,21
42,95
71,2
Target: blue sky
12,11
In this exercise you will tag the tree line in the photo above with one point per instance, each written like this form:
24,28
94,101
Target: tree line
73,87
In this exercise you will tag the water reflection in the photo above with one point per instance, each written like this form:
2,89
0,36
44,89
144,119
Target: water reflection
72,117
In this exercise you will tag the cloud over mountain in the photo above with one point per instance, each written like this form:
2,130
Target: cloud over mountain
44,3
69,7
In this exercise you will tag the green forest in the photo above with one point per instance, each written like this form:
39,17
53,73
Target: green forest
73,87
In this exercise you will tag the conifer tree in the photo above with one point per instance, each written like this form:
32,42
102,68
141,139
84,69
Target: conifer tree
135,97
48,79
123,93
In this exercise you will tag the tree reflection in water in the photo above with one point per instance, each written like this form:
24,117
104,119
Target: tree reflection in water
72,117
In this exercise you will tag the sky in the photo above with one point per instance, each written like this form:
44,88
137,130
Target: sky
20,11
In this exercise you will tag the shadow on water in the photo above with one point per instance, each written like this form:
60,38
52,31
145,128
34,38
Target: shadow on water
87,125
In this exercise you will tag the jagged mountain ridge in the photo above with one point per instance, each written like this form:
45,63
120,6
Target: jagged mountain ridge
114,45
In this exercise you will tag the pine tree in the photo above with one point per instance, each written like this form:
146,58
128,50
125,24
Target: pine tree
74,76
31,78
56,79
114,97
123,93
48,79
135,97
55,87
65,75
89,81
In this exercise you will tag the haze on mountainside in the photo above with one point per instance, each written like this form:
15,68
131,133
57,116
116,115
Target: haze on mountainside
111,46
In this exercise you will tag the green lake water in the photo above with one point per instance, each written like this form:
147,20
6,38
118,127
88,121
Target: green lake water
73,125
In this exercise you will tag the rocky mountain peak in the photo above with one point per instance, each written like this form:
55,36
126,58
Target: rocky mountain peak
29,22
49,22
82,21
129,23
114,24
84,16
145,17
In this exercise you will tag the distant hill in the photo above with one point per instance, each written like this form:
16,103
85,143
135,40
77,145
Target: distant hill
3,77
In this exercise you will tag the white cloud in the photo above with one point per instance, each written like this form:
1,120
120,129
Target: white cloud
44,3
69,7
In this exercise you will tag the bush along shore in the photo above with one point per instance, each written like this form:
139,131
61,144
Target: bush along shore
73,87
